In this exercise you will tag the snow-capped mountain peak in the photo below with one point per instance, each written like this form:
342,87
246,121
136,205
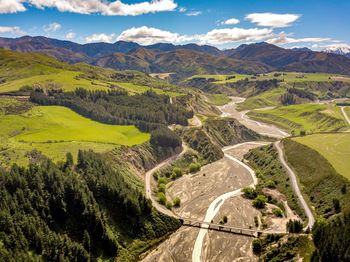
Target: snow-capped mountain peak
339,50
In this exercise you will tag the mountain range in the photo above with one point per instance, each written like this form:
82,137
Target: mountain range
186,59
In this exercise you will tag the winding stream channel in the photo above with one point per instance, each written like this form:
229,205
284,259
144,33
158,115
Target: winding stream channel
218,185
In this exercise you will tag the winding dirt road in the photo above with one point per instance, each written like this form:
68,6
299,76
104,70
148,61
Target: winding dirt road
345,114
293,178
148,184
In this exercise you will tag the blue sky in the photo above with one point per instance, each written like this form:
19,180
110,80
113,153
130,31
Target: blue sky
223,23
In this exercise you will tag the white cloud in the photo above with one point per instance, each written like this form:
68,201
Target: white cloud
11,6
94,38
148,35
182,9
70,35
231,35
106,7
194,13
231,21
283,38
14,30
53,27
272,20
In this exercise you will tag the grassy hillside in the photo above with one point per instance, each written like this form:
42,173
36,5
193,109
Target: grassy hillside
272,175
308,117
265,99
287,77
319,180
55,130
334,147
31,70
229,131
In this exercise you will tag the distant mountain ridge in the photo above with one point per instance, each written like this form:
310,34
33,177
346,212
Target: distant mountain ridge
344,51
185,59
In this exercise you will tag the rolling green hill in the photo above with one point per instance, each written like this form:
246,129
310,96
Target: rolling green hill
25,71
308,117
55,131
333,147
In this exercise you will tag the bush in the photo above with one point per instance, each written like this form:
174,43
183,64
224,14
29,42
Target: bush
260,201
249,192
194,167
162,180
224,219
161,198
177,172
177,202
161,188
277,212
169,205
257,246
270,184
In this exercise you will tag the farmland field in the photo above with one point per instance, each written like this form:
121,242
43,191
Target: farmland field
67,80
334,147
56,130
266,99
288,77
137,89
308,117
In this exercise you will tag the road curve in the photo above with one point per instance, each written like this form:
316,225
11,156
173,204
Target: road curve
148,187
215,205
345,114
293,178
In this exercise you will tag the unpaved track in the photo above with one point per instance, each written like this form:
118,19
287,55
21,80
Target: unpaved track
293,178
345,114
148,180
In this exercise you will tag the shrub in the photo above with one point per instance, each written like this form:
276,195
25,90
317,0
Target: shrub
177,202
169,205
177,172
260,201
162,180
161,198
257,246
161,188
270,184
224,219
249,192
194,167
277,212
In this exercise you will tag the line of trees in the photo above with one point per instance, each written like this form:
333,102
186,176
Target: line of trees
148,111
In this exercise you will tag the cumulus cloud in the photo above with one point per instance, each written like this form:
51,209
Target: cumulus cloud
53,27
194,13
231,35
272,20
94,38
104,7
11,6
70,35
283,38
148,35
14,30
231,21
182,9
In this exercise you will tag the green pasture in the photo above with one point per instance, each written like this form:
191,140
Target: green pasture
137,89
218,99
334,147
56,130
308,117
